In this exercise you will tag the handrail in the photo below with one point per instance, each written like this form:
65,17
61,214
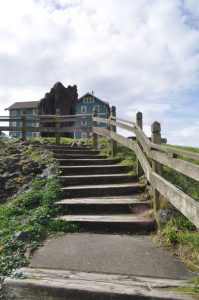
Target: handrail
162,155
150,155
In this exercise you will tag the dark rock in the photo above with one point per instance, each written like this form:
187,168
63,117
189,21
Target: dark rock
49,172
2,183
164,215
21,234
59,97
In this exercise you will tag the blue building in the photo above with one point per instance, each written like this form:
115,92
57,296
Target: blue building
23,108
85,105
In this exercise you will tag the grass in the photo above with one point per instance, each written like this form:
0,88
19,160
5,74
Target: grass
26,221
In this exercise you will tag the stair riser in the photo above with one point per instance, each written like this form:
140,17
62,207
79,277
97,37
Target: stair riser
79,156
30,289
83,162
67,148
92,170
114,191
137,227
71,151
97,180
98,209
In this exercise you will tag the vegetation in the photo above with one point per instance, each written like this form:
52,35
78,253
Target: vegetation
26,221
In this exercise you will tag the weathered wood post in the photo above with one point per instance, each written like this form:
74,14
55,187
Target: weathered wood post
95,135
113,129
57,126
23,125
157,167
139,122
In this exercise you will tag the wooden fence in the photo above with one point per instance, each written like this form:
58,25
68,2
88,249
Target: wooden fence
151,155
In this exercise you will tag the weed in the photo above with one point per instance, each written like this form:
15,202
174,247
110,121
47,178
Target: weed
30,215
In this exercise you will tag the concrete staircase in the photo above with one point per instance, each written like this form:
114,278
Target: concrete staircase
99,193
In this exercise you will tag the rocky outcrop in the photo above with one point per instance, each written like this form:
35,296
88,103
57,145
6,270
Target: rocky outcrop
59,97
19,164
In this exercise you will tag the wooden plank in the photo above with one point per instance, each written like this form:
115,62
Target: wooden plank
129,144
63,284
103,200
185,204
46,129
125,121
101,120
143,161
123,218
182,166
101,131
123,126
174,150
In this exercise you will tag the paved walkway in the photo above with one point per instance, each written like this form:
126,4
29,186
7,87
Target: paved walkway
108,253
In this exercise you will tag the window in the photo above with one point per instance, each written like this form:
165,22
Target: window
98,108
13,124
83,109
34,111
83,135
35,134
83,122
13,112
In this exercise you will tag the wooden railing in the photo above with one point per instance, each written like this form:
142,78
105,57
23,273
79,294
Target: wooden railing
57,124
151,155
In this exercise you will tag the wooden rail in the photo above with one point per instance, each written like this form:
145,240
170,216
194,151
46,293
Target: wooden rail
151,155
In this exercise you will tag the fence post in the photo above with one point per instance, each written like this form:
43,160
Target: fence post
157,167
23,125
113,129
95,135
139,122
57,126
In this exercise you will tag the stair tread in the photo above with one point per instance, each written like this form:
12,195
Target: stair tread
99,186
93,166
97,285
96,176
119,218
103,200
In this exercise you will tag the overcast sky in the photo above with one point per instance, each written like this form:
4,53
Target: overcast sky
139,55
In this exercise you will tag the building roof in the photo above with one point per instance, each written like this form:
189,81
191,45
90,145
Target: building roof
19,105
92,95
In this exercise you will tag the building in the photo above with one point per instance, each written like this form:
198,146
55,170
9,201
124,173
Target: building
23,108
85,105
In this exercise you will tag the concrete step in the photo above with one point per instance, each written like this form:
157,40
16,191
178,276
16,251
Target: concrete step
66,146
75,151
94,169
97,179
79,156
43,284
52,148
129,200
104,205
112,222
103,190
84,162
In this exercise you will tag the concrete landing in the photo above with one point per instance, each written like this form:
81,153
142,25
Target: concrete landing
109,254
43,284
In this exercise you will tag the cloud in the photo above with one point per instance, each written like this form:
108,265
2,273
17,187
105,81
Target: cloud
136,54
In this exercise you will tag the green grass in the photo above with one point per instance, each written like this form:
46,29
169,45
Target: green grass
33,213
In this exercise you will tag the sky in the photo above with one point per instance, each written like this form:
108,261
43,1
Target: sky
139,55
